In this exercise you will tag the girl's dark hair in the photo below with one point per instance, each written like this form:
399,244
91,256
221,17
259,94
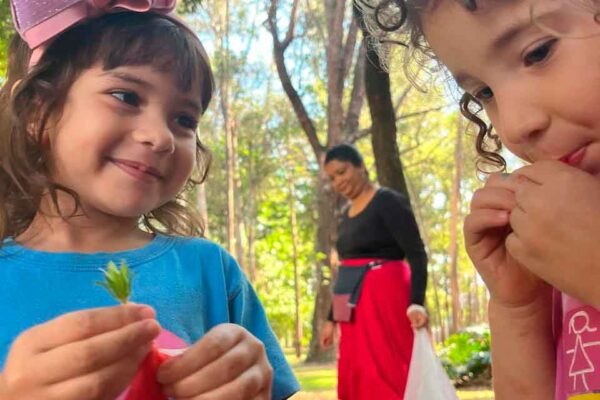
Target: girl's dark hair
30,97
399,22
344,152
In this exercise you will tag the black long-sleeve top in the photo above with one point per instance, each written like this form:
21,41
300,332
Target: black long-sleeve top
386,229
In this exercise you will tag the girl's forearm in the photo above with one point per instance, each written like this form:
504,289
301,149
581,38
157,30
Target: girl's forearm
523,354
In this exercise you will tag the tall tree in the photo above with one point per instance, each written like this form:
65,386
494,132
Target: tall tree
340,49
455,216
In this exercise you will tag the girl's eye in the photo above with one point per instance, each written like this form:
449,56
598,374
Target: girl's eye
540,53
484,94
130,98
187,122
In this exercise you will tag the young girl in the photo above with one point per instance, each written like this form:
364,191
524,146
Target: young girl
98,146
534,68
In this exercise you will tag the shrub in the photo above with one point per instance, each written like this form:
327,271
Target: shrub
466,356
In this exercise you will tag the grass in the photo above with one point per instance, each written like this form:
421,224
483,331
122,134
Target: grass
318,382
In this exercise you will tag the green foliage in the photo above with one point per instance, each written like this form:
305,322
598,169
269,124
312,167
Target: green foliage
117,281
466,355
6,32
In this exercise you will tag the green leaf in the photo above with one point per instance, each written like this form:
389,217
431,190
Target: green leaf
117,281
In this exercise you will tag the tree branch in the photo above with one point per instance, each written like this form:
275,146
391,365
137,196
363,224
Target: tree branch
358,92
417,113
402,98
279,48
348,53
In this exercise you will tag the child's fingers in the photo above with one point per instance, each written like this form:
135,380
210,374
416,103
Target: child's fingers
220,372
104,384
478,223
254,383
493,198
212,346
81,325
542,170
93,354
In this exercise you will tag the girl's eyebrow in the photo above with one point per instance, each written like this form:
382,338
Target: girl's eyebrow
511,33
123,76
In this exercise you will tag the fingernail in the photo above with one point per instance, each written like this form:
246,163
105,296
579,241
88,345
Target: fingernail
151,326
146,312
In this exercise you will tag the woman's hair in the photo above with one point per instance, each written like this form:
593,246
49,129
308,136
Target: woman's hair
399,22
346,153
32,97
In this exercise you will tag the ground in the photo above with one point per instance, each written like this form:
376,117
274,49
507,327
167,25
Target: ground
318,383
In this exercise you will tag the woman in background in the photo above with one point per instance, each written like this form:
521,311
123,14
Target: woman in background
378,296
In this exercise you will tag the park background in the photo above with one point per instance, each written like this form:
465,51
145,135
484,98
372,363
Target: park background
293,78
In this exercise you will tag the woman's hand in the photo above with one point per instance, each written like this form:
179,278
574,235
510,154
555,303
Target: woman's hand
486,229
417,318
227,363
91,354
327,337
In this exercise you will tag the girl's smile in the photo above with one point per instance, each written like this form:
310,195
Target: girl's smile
138,170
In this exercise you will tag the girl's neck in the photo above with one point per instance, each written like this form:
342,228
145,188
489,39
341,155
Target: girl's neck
82,233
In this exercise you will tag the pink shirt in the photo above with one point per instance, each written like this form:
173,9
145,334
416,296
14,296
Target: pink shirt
577,335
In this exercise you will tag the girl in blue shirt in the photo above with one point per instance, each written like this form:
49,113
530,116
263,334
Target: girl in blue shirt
99,145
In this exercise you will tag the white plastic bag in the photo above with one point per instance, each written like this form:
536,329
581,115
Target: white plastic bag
427,379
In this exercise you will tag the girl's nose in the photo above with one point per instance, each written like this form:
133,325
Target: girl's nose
522,117
156,134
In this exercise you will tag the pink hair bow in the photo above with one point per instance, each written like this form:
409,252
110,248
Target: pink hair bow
38,21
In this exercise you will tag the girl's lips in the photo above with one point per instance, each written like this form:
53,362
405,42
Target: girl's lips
574,159
137,170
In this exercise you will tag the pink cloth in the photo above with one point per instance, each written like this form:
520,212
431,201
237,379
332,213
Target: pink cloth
376,346
38,22
577,333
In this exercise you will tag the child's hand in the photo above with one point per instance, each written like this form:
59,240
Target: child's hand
486,229
556,227
91,354
227,363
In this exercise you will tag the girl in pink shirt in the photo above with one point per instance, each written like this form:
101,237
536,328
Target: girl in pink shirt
533,68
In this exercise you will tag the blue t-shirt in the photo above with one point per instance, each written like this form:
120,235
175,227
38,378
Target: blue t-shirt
193,284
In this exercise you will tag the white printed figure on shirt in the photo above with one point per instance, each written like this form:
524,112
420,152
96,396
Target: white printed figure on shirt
581,365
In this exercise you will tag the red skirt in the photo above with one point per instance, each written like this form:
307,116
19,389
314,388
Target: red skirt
376,346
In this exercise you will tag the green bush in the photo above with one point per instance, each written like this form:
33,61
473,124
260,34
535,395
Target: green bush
466,355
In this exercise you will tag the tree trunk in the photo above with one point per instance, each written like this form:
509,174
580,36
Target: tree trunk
239,219
383,130
339,57
224,87
455,200
294,234
417,208
326,233
476,306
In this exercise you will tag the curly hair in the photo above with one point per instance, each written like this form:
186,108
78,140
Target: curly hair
398,22
30,97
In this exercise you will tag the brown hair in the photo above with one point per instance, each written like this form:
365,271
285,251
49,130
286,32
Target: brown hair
398,22
30,97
